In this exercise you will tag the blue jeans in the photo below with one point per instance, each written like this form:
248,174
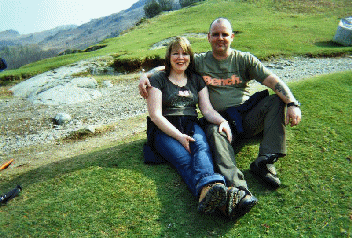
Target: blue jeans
196,168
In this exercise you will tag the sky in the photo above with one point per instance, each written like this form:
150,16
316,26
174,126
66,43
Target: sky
30,16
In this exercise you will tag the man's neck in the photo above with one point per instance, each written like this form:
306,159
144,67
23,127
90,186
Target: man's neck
221,56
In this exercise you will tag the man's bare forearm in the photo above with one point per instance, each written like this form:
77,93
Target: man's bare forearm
280,88
154,70
286,94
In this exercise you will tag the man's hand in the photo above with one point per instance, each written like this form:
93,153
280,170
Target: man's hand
293,116
143,85
144,81
225,127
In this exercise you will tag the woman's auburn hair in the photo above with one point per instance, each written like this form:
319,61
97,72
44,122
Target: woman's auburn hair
180,42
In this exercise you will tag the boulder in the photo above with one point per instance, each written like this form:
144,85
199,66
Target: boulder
56,88
65,94
64,85
343,34
107,84
62,118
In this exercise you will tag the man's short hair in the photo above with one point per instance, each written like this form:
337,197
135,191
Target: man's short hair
220,19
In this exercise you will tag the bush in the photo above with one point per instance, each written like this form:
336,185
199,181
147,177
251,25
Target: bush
166,5
186,3
152,9
134,65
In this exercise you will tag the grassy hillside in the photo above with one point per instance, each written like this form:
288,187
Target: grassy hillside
109,192
266,28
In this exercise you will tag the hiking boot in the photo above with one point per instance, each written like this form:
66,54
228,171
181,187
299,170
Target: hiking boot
212,197
239,202
263,167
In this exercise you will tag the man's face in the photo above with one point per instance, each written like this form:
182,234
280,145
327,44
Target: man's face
220,37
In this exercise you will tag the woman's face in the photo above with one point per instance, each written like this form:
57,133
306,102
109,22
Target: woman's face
179,59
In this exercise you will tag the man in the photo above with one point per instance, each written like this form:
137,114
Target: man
227,73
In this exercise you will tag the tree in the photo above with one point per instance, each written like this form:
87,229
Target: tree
166,5
17,56
152,9
186,3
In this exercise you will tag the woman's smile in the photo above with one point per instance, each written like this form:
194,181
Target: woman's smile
179,59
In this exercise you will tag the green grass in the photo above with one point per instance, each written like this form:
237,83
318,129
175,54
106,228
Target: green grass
109,192
266,29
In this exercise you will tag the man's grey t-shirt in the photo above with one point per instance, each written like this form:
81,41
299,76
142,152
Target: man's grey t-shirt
228,79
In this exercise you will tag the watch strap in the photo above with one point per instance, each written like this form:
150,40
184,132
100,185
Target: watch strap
295,104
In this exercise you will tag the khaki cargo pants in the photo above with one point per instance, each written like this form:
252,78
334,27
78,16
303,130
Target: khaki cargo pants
268,117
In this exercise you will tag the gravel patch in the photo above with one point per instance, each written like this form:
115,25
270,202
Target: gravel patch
26,124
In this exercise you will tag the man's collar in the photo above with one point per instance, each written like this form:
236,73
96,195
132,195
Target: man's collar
223,57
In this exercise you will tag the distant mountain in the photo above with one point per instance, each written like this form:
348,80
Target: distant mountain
9,34
97,29
83,36
12,37
78,37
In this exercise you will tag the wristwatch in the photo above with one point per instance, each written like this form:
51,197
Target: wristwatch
295,104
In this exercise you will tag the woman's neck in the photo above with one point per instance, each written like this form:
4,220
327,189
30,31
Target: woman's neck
179,79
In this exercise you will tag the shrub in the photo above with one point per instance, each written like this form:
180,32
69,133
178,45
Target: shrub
133,65
152,9
166,5
186,3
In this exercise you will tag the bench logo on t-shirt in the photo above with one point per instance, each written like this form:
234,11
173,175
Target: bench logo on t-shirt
234,80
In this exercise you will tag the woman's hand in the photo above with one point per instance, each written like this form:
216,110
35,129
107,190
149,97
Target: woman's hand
225,127
184,140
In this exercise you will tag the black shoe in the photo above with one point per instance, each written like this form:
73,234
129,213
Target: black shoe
240,202
264,168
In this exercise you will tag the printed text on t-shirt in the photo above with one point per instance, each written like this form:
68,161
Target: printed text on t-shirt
222,82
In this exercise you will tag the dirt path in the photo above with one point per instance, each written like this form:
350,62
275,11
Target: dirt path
32,157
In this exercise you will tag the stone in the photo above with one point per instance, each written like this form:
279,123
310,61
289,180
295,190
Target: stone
60,86
343,34
90,129
62,118
107,84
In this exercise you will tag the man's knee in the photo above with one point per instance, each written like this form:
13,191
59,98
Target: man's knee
212,132
277,102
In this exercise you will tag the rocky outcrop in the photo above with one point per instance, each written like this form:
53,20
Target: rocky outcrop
62,86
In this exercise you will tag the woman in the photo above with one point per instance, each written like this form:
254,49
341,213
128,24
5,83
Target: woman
178,138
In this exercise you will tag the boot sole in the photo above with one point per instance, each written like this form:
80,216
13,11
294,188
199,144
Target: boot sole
215,197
